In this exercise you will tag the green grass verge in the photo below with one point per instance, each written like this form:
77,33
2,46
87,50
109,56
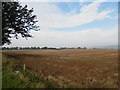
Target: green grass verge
22,79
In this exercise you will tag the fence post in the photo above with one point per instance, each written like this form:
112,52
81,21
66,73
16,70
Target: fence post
24,67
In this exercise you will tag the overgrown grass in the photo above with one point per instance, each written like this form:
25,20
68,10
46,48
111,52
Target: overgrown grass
15,77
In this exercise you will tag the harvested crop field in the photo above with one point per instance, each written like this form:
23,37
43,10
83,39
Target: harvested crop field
83,68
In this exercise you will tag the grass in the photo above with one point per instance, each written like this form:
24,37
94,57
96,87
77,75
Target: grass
15,77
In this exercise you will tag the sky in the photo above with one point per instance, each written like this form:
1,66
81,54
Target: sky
73,24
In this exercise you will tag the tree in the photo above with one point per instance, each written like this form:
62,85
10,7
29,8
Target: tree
16,20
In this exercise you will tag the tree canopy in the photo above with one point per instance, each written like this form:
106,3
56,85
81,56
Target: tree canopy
17,20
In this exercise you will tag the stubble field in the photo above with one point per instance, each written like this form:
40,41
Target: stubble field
82,68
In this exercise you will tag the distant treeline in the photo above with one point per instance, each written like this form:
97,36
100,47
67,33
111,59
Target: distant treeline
24,48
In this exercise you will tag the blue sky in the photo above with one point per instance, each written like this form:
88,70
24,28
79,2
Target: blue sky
106,23
73,24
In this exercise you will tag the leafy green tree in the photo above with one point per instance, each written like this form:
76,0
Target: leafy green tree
17,20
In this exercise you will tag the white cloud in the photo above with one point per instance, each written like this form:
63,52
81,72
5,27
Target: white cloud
50,15
88,37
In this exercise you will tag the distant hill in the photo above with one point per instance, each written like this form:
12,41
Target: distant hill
108,47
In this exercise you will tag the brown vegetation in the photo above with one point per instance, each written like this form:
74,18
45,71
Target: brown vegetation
72,67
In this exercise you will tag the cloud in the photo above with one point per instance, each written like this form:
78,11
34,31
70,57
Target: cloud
50,15
88,37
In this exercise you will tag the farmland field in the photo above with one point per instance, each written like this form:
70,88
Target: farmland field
81,68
